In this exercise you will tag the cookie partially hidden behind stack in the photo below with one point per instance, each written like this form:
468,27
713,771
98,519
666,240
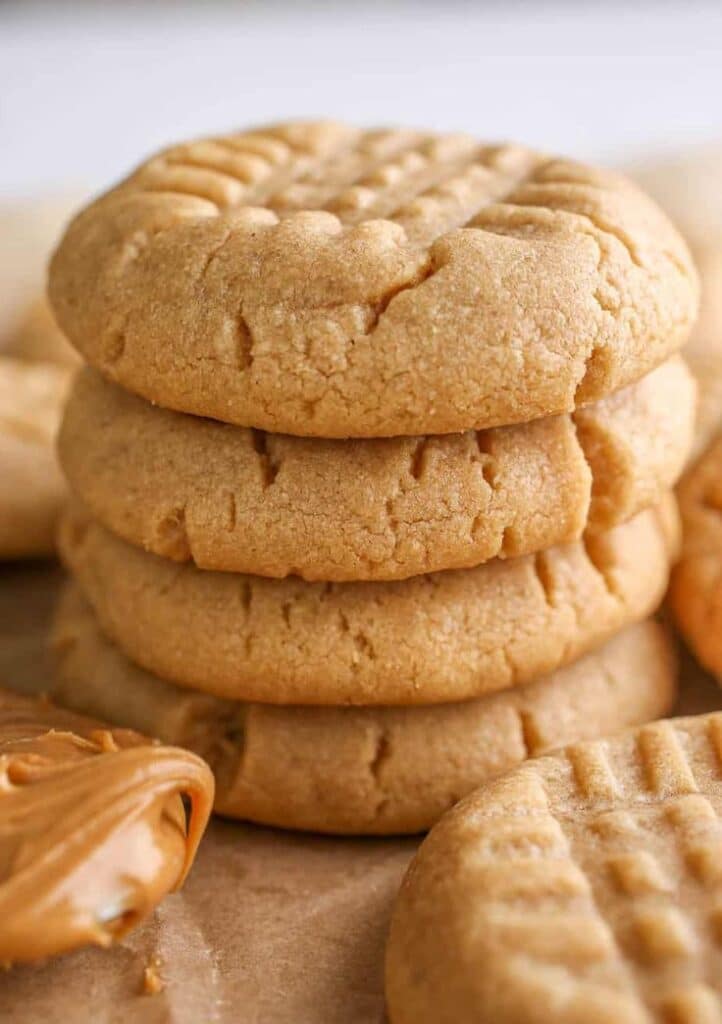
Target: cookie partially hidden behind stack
696,591
32,488
35,364
381,421
582,886
688,185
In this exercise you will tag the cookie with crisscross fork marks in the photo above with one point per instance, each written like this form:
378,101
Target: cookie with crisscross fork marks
321,280
583,887
439,637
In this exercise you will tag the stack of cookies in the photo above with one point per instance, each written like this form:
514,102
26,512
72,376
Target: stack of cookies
372,463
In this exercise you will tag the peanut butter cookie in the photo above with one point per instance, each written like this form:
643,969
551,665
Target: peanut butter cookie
580,887
696,591
363,770
441,637
31,486
317,279
241,500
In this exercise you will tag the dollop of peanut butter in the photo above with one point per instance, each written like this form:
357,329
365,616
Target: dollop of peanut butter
96,827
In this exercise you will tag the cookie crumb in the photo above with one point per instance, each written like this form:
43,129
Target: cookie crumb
152,981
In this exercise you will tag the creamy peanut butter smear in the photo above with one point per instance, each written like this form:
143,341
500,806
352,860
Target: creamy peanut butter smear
94,830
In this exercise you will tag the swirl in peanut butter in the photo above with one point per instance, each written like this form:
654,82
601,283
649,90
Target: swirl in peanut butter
93,828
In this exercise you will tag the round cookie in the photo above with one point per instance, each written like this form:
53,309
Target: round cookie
696,590
28,230
32,488
38,339
687,185
688,188
705,347
443,637
579,888
317,279
363,770
239,500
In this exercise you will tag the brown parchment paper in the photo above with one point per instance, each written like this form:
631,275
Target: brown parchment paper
270,928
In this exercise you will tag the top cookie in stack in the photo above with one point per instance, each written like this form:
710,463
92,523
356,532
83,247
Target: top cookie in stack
323,281
372,356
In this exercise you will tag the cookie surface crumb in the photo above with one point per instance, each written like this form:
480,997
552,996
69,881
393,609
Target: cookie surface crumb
152,981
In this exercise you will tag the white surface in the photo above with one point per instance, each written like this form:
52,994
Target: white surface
87,90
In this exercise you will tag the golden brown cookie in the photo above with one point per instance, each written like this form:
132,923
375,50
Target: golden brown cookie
28,230
240,500
441,637
686,183
704,351
687,186
318,279
580,888
363,770
696,591
31,486
38,339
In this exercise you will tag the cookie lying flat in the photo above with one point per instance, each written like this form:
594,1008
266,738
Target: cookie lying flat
32,488
321,280
580,887
238,500
696,591
429,639
93,833
363,770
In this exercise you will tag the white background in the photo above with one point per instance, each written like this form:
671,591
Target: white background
87,89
